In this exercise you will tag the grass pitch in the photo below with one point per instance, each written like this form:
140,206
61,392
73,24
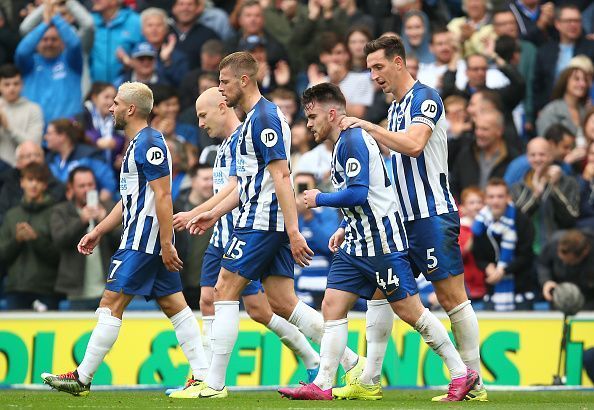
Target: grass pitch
393,399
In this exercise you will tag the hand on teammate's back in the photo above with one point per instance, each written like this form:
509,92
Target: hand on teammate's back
301,252
172,262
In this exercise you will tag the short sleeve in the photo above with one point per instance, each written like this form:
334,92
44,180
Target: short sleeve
153,156
426,107
267,134
353,155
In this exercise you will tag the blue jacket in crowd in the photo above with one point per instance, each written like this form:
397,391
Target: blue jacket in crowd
122,31
54,84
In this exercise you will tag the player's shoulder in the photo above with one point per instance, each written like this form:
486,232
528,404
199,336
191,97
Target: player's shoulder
352,139
266,114
423,93
150,144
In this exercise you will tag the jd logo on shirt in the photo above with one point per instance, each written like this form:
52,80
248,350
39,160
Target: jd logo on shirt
155,156
269,137
353,167
429,108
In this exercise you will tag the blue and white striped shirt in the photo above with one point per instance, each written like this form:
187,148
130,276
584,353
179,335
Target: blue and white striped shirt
224,167
265,137
147,158
421,183
376,227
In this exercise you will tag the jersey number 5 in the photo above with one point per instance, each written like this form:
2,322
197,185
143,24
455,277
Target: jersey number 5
431,259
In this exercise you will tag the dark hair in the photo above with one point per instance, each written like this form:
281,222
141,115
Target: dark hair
162,93
323,93
213,47
556,132
560,86
497,182
506,46
72,129
392,46
248,3
283,94
79,170
97,88
468,57
358,28
39,172
573,241
493,97
328,40
439,30
565,6
9,71
241,63
194,170
500,10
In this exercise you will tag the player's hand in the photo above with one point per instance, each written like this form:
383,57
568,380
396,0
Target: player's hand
547,290
352,122
202,223
309,197
301,252
181,220
336,240
169,254
495,276
88,242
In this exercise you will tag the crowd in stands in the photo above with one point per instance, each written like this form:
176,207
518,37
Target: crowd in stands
515,77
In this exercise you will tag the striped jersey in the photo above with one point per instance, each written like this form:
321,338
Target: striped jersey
147,158
376,227
224,167
265,137
421,183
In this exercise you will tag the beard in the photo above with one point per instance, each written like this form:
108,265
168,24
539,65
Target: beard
119,123
232,102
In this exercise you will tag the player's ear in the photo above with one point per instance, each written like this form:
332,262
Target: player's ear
131,109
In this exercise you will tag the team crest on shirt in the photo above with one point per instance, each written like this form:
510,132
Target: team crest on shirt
155,156
429,108
269,137
353,167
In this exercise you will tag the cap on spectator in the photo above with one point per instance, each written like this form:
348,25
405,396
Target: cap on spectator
582,62
143,50
251,42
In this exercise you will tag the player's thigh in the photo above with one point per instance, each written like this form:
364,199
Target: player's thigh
229,285
280,292
115,301
450,291
258,308
352,274
172,304
337,303
408,309
378,295
393,275
207,300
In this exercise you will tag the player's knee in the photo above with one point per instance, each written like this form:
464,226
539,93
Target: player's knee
207,305
332,310
259,314
449,300
281,307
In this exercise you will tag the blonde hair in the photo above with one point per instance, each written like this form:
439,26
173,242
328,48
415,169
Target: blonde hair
154,11
240,63
138,94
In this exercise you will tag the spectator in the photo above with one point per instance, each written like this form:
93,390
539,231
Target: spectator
117,31
191,248
554,55
282,17
9,39
77,16
317,226
172,64
268,77
588,126
286,100
416,35
570,98
97,121
486,157
215,19
50,61
81,278
568,257
143,64
459,126
563,147
502,247
442,47
11,193
349,12
356,39
546,195
586,183
251,23
301,141
26,247
504,24
66,152
412,65
211,54
471,202
180,180
534,20
20,119
191,34
476,71
471,31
